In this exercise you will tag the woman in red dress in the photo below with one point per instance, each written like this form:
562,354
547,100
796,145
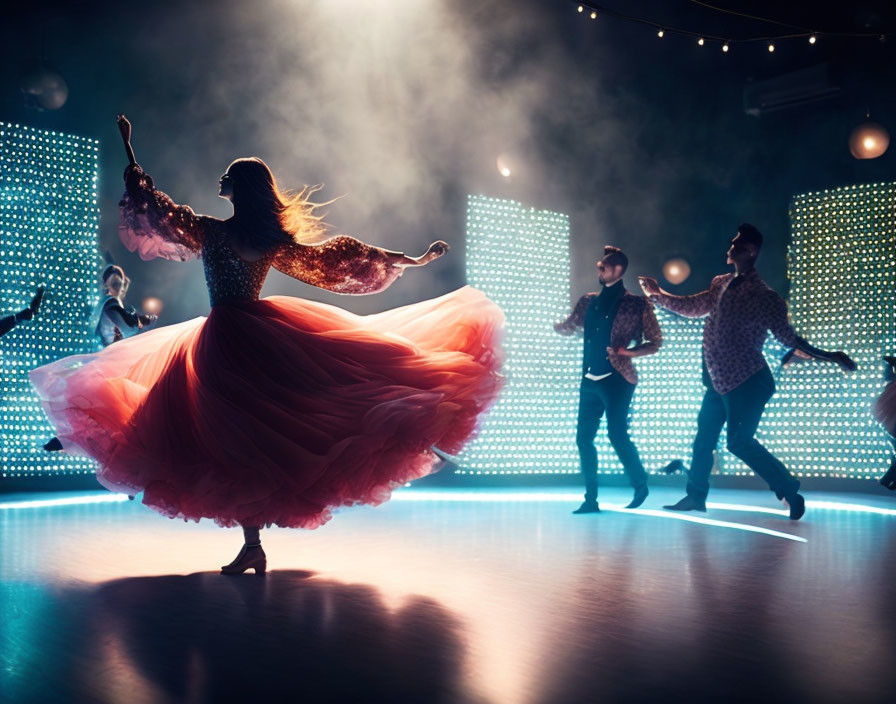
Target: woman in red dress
273,411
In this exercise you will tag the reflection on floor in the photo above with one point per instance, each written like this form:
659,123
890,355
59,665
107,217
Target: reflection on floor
455,597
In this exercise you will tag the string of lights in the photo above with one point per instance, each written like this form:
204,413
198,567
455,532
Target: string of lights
804,31
812,36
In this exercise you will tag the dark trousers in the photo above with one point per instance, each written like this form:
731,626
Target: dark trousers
612,396
742,408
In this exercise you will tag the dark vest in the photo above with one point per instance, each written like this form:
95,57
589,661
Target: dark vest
598,325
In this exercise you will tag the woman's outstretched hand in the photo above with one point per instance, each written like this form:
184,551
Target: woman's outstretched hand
436,250
649,285
124,126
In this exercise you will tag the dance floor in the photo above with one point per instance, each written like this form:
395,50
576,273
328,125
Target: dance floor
455,596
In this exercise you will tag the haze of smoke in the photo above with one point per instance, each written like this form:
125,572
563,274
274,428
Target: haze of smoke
402,107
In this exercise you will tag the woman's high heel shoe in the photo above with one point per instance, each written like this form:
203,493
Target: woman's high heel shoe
250,557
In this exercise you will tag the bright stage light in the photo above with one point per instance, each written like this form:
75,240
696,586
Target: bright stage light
568,498
488,496
502,163
67,501
676,270
869,141
677,516
49,224
152,305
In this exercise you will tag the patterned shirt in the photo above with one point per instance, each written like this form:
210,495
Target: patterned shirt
742,310
634,322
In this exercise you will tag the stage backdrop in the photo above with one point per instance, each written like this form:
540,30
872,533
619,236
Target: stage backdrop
49,228
842,296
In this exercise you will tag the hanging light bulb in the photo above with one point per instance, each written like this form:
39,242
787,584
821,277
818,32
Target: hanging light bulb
676,270
581,8
771,47
594,15
152,305
725,47
700,41
869,140
503,165
660,34
813,38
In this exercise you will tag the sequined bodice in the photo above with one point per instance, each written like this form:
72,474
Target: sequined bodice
228,276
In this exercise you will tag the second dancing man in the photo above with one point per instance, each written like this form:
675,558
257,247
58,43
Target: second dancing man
741,310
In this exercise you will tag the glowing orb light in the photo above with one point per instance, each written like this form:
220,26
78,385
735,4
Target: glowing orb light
869,141
152,305
503,166
676,271
44,89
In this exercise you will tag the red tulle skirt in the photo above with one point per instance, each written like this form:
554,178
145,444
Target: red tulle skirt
276,411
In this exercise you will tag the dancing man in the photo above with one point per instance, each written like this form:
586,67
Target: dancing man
8,322
741,309
273,411
885,410
611,319
114,321
111,321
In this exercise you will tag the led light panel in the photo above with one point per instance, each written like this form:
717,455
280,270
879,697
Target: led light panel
819,423
49,226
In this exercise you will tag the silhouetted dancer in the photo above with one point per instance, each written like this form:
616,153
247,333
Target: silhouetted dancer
113,320
741,310
274,411
612,320
885,410
8,322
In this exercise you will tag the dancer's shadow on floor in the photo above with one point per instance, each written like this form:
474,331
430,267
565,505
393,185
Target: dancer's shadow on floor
285,637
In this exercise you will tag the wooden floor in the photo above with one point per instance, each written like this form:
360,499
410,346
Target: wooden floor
450,596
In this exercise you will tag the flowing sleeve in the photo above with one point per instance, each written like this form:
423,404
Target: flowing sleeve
575,320
153,225
778,322
340,264
651,334
694,306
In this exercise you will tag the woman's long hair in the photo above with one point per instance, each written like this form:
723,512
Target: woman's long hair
267,216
